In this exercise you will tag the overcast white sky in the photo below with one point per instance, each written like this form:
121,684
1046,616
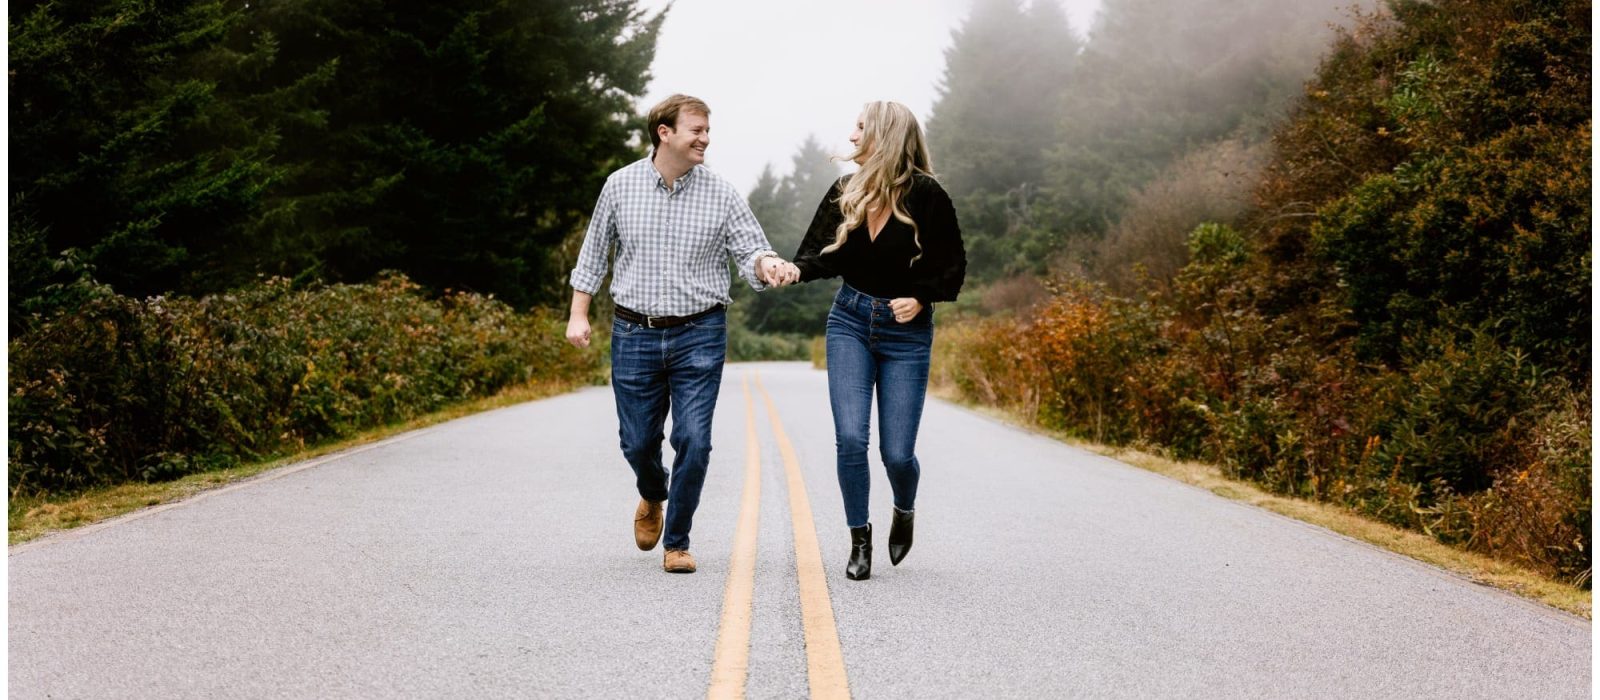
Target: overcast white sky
775,72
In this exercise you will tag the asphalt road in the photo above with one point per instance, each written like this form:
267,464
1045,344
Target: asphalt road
492,556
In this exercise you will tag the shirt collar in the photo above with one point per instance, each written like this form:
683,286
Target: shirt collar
661,182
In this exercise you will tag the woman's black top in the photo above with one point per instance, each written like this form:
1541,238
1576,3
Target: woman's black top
883,267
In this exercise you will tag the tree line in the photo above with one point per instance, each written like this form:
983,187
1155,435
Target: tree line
190,146
240,228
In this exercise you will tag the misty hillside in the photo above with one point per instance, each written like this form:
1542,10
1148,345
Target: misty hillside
1368,283
1049,141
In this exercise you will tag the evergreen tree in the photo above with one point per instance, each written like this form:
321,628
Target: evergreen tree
1005,75
768,201
189,145
785,208
132,153
466,140
1161,78
813,172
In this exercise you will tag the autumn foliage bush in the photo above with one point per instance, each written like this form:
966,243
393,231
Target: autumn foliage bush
126,389
1400,326
1472,445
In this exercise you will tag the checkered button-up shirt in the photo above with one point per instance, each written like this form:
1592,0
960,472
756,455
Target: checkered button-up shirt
672,244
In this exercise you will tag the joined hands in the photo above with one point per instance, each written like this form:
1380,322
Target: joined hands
777,272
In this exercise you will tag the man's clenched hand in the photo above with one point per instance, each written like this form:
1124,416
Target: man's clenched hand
578,331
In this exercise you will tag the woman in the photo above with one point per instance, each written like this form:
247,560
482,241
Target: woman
890,231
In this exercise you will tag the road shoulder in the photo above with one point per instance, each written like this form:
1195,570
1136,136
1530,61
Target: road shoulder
36,519
1476,568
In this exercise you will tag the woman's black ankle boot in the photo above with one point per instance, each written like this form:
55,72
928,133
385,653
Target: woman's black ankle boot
860,566
900,536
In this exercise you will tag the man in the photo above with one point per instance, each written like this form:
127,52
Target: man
674,224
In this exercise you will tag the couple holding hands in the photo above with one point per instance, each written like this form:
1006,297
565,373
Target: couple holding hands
889,230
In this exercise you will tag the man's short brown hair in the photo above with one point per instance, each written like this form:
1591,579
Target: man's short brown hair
667,112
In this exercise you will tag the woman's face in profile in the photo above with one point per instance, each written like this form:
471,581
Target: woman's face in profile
855,136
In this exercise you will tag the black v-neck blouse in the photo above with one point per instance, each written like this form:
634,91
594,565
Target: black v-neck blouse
884,267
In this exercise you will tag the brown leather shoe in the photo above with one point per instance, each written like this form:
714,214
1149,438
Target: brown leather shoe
647,524
678,561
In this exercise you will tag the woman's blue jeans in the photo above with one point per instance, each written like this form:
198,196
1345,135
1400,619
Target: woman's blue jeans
867,350
654,370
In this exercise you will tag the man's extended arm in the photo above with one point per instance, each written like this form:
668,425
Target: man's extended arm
747,244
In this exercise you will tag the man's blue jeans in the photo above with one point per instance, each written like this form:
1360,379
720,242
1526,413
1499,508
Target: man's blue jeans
868,349
652,370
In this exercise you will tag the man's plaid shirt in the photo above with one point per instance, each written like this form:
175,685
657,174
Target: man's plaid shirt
672,245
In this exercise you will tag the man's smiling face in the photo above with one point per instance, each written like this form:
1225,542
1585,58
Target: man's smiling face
688,142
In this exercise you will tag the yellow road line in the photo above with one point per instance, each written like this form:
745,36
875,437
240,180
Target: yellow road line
824,659
732,660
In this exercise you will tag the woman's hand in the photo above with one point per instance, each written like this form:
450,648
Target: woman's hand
777,272
789,274
905,309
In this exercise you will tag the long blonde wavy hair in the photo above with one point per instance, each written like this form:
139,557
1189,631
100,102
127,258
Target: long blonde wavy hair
891,151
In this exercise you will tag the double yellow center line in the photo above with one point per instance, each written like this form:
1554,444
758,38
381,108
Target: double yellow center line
824,659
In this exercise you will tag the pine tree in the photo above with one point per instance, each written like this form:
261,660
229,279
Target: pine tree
1005,76
466,140
131,156
785,208
1159,79
189,145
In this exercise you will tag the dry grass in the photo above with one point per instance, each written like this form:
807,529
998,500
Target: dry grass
1475,567
31,518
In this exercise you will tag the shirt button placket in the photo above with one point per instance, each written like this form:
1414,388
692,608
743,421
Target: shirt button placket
666,227
664,301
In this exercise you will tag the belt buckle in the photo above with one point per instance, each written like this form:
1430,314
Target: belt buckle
649,321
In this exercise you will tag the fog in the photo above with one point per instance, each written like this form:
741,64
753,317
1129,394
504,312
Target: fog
775,72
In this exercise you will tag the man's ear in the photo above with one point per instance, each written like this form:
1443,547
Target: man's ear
662,130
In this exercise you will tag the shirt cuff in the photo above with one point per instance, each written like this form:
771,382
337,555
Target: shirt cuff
587,283
755,268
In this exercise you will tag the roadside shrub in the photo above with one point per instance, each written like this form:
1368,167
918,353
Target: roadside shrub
1089,348
1454,416
1467,440
984,359
123,389
745,345
1544,516
1014,294
1471,444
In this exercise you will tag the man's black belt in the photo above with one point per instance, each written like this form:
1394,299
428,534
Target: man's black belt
632,316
